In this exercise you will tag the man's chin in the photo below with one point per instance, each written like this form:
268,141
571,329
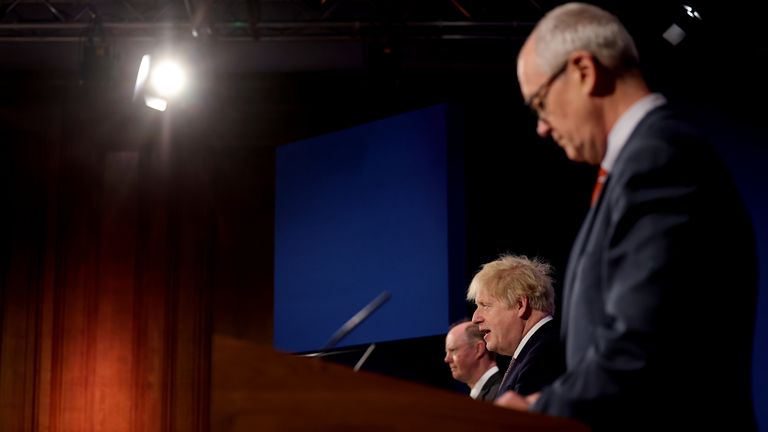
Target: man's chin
572,154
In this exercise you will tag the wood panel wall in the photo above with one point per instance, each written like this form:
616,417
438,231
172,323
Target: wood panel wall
107,269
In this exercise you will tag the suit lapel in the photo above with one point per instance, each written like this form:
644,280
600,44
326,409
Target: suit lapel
513,373
488,387
504,386
582,239
573,260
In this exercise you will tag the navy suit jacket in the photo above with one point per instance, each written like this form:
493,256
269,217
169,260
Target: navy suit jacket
538,364
659,292
490,388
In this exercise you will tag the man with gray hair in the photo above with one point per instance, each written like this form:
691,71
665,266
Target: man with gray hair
515,304
470,362
650,340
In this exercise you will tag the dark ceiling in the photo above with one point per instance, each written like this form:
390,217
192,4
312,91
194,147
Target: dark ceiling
317,31
284,20
409,53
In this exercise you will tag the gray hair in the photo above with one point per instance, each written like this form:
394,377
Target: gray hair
580,26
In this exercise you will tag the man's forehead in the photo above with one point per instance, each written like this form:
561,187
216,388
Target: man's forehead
528,72
454,337
484,296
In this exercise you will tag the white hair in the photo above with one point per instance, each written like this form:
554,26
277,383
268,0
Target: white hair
581,26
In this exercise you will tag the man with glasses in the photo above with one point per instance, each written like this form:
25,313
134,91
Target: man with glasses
659,290
470,362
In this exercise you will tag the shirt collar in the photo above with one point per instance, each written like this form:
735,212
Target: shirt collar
481,382
529,334
627,123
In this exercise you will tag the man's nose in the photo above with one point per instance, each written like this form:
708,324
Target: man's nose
476,318
543,128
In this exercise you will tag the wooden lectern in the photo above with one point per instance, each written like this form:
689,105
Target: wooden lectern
255,388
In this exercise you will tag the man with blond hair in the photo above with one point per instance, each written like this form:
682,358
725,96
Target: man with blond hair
515,306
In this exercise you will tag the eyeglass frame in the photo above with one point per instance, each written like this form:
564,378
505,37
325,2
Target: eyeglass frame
541,93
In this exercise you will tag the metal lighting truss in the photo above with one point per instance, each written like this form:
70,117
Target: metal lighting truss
55,20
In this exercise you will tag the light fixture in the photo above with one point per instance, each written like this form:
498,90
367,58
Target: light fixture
691,12
160,82
686,23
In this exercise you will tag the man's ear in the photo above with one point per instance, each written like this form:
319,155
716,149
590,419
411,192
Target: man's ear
479,349
587,67
523,307
595,79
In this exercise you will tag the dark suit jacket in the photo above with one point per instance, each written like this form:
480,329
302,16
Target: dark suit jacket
659,293
490,388
539,363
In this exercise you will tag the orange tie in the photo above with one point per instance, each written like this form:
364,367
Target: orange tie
601,176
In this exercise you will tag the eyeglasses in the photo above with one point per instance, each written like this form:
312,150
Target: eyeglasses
536,101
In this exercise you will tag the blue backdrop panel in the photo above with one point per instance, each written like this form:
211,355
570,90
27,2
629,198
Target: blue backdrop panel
357,213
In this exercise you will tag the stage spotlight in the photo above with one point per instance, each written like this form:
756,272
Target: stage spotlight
159,83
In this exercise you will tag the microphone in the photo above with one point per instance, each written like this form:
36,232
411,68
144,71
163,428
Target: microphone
356,320
349,326
364,357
